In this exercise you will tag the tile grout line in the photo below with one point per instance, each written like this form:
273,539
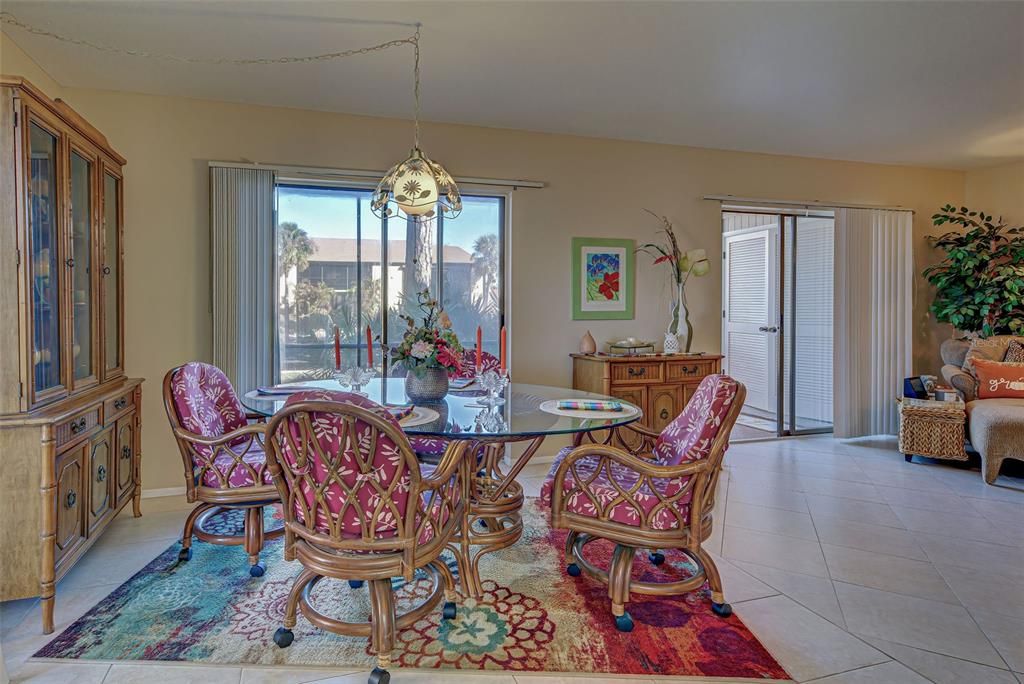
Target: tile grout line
999,653
855,669
828,571
929,651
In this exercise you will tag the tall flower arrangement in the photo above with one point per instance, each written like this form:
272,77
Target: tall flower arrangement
432,344
681,266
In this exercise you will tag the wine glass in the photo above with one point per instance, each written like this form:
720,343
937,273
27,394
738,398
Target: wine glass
360,377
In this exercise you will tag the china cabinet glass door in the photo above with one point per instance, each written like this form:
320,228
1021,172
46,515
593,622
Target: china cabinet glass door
80,270
44,253
111,274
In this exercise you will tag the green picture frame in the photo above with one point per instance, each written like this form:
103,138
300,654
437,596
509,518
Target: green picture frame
603,276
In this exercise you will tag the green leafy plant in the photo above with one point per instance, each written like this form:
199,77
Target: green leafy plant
980,283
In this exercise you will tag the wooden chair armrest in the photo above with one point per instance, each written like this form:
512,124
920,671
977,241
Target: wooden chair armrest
258,417
631,461
447,468
641,430
257,430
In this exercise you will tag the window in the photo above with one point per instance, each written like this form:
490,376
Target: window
339,265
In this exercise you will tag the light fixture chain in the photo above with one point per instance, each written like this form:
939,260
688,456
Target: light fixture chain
10,20
416,88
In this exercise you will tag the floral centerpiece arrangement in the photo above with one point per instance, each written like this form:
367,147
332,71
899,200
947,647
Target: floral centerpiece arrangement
682,265
429,351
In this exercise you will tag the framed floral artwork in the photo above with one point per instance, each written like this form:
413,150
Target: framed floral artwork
602,278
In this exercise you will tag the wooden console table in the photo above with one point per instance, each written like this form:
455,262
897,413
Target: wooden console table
660,384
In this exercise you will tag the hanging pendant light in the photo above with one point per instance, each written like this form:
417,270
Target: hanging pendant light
418,186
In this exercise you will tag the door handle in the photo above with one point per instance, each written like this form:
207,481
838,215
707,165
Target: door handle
769,329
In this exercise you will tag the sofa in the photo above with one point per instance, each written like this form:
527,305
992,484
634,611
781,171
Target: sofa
995,426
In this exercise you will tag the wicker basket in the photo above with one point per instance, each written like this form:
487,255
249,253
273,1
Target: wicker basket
932,428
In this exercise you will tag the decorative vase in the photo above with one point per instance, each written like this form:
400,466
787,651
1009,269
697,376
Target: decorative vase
426,385
588,345
679,328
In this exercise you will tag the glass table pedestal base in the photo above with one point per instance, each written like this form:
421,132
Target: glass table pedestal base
494,519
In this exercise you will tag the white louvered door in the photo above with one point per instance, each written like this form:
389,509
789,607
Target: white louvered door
749,324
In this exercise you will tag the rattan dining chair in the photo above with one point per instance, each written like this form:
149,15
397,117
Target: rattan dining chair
356,507
223,456
643,490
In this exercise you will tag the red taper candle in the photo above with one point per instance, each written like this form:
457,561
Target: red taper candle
503,359
479,346
337,349
369,347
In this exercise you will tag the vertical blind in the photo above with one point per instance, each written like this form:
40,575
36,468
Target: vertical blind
873,306
243,269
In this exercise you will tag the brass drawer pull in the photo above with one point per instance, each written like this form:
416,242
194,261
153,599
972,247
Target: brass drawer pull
69,501
106,270
664,414
120,403
101,473
78,425
691,370
637,372
126,452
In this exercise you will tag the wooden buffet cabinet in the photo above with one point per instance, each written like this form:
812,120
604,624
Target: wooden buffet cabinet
69,418
660,385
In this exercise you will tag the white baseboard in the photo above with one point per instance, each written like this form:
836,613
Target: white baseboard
166,491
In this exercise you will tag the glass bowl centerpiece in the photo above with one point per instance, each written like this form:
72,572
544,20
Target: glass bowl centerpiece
429,351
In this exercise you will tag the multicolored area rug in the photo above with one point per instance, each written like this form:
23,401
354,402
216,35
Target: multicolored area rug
532,617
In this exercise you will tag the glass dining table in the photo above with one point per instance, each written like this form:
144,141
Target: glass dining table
528,414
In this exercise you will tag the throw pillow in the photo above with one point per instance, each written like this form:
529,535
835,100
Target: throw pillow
996,379
1014,353
988,348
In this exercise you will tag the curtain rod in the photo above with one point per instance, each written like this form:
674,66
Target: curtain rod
323,172
811,204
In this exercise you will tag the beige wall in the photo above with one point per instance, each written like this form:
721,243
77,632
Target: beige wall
997,190
595,188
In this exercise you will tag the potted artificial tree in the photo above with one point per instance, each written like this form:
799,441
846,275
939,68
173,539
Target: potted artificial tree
979,285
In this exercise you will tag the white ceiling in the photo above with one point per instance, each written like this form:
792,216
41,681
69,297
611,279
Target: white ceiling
925,83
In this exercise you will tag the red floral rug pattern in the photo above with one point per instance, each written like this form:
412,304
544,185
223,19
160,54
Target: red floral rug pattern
531,617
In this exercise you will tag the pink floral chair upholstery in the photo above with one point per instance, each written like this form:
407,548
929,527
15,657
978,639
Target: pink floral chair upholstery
430,449
223,456
641,489
357,507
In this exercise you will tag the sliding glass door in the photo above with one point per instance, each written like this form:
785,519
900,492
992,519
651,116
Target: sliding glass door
339,265
777,320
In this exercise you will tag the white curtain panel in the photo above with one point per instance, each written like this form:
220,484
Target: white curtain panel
243,266
873,326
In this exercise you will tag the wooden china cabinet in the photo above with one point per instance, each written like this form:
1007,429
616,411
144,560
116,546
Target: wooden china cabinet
69,418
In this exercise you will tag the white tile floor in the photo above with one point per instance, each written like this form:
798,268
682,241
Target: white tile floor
850,565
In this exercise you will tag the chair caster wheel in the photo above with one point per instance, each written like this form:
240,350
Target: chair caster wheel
379,676
448,611
256,570
624,623
656,558
283,637
355,584
185,554
721,609
573,570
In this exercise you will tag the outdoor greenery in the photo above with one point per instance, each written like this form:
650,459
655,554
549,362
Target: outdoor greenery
980,282
311,308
